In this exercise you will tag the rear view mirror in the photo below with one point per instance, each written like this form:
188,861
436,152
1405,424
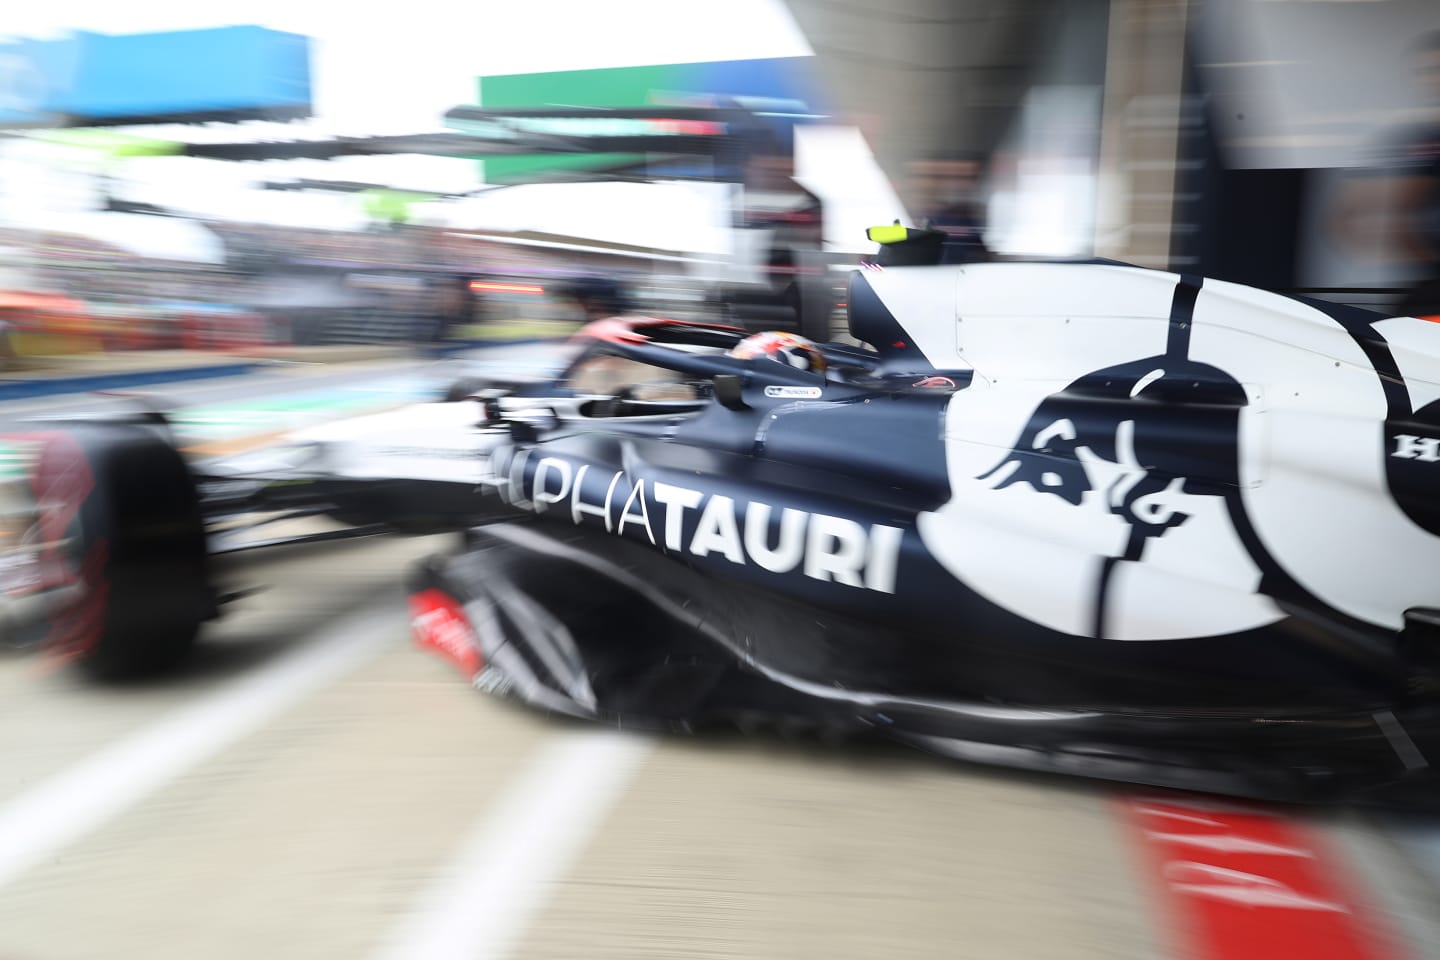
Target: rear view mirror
527,426
728,388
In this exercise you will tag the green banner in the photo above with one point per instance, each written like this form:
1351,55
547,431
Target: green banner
616,87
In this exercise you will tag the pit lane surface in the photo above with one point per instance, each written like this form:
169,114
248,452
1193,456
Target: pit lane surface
315,787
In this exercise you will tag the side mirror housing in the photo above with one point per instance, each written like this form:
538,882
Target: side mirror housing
728,389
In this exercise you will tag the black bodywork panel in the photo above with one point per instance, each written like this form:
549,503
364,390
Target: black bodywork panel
756,552
576,622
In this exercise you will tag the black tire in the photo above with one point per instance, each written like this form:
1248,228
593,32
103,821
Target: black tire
125,502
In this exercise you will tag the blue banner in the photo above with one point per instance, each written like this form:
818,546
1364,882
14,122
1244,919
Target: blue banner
92,79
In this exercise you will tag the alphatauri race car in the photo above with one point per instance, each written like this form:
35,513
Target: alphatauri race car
1075,517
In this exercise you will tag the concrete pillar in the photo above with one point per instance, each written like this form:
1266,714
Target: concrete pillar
922,75
1145,122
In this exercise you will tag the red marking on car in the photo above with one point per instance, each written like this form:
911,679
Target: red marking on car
631,329
61,481
691,128
935,383
613,330
899,344
486,286
440,624
76,630
1246,884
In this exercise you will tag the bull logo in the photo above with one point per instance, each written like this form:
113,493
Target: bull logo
1137,449
1135,437
1107,505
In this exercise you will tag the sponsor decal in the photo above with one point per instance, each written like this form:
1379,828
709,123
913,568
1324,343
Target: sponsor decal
793,393
1248,885
1410,447
440,625
679,519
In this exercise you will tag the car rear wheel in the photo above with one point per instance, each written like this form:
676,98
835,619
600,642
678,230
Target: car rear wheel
114,559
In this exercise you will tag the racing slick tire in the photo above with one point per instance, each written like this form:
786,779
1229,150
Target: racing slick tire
120,517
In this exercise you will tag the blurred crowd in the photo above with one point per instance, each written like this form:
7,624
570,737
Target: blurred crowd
256,246
273,284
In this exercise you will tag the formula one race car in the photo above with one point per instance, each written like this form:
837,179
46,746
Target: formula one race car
1072,517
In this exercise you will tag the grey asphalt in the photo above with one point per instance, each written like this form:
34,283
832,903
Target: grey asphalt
325,827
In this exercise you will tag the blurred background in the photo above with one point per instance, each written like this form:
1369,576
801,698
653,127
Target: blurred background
1288,144
365,189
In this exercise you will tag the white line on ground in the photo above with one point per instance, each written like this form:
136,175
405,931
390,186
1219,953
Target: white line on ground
503,874
1421,842
63,809
1384,876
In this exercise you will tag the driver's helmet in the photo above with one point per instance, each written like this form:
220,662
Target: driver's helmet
788,348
